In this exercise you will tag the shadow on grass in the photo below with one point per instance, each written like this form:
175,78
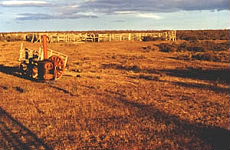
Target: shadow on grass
133,68
146,77
62,89
220,75
215,136
14,71
14,135
216,75
203,86
202,136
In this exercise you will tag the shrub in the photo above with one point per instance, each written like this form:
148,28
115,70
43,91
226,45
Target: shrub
194,46
211,56
190,38
203,35
164,47
196,49
11,38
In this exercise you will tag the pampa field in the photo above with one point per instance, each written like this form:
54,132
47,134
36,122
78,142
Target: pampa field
125,95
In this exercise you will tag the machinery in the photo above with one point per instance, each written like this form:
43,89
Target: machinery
42,64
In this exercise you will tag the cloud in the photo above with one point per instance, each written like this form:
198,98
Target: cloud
73,9
139,14
39,16
29,16
148,15
119,21
124,12
15,3
111,6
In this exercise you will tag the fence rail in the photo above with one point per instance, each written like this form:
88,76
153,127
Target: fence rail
89,37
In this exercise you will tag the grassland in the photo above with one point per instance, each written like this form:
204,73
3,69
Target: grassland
120,95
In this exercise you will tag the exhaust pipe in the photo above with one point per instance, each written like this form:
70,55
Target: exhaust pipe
45,46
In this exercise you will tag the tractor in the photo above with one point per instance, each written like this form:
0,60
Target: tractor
42,64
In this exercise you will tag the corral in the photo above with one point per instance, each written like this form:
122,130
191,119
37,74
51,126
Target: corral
91,36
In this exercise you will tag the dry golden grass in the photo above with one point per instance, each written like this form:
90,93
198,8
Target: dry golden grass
123,97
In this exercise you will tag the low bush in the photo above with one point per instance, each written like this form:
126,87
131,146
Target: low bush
165,47
11,38
203,35
196,49
194,46
211,56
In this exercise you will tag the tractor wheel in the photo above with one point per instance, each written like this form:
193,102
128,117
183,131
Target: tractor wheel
45,70
35,72
48,66
23,67
59,66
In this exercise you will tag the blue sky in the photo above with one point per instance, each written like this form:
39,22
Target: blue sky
68,15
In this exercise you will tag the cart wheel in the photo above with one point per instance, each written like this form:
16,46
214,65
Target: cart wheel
59,66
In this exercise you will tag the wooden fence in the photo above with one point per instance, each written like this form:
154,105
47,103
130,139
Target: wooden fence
90,37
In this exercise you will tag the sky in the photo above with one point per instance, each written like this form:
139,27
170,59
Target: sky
83,15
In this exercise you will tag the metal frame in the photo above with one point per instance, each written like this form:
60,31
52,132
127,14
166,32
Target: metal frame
26,54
